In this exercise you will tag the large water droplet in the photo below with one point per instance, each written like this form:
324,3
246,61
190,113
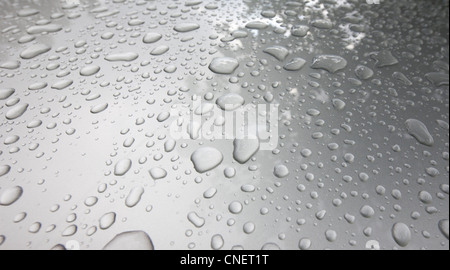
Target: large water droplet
330,63
401,234
10,195
418,130
206,159
186,27
134,196
122,167
17,111
34,51
245,149
107,220
134,240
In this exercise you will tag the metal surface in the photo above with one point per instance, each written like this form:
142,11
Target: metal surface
362,172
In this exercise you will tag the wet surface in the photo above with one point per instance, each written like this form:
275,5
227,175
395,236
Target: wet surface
357,157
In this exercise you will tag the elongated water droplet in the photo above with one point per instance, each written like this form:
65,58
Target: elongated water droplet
107,220
134,196
401,234
186,27
34,51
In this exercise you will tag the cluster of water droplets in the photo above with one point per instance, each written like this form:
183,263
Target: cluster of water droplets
89,91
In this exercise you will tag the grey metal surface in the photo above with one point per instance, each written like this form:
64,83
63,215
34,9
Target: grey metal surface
365,148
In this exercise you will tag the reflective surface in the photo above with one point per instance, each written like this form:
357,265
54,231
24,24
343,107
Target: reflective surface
356,156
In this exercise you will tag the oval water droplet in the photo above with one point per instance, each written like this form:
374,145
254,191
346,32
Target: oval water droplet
186,27
151,38
230,102
401,234
99,108
122,167
10,195
158,173
418,130
89,70
279,52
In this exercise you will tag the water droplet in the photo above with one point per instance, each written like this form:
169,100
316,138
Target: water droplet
162,49
10,195
158,173
134,196
206,159
34,51
60,85
223,65
99,108
235,207
122,167
6,93
401,234
38,29
134,240
107,220
89,70
256,25
444,227
245,149
17,111
4,170
186,27
418,130
126,56
295,64
196,220
249,227
230,102
367,211
10,65
304,244
217,242
281,171
151,37
279,52
330,63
